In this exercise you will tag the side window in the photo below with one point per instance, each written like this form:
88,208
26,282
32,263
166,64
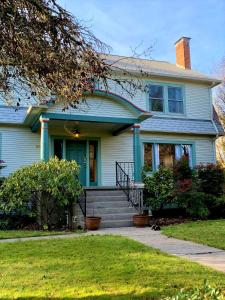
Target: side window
175,100
156,98
148,157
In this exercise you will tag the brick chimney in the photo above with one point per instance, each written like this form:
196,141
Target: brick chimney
183,58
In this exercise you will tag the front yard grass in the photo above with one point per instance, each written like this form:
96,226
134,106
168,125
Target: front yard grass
11,234
95,267
211,233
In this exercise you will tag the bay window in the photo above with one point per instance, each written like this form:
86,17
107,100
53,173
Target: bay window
148,157
166,154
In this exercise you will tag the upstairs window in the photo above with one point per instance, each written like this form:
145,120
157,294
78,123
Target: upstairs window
175,100
167,99
156,98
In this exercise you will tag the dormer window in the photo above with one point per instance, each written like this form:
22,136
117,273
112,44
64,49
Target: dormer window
166,99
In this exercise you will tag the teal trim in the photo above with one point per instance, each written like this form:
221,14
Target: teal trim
86,118
165,86
36,125
44,141
88,164
193,154
87,139
137,154
155,142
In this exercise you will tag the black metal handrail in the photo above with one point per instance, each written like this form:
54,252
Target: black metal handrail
122,179
125,180
82,201
128,168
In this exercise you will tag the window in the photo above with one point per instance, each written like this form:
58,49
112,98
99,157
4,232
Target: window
165,154
156,98
175,100
58,148
168,99
93,161
186,151
148,159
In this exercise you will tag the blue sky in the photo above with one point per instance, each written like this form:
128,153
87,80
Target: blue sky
125,24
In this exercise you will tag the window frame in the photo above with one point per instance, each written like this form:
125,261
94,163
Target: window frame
165,86
160,99
155,148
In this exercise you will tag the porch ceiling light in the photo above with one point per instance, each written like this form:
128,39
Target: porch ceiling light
73,131
76,133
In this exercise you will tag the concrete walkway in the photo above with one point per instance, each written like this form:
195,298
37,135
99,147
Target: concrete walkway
208,256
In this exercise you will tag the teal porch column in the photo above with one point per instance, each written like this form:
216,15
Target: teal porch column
44,139
137,153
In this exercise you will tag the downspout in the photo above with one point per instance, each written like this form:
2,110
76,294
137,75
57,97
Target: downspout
213,123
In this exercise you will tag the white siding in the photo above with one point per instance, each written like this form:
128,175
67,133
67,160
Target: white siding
96,106
198,101
19,147
114,148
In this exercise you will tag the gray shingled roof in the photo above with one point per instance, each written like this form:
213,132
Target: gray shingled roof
9,115
158,68
174,125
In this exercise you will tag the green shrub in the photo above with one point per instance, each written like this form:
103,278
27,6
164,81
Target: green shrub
182,170
159,188
4,224
41,189
211,179
216,206
194,203
207,292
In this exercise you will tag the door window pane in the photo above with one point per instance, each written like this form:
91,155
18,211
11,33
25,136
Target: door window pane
175,100
167,155
148,159
93,161
156,98
58,148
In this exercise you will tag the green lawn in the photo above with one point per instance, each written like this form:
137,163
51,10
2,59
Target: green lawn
10,234
95,267
211,232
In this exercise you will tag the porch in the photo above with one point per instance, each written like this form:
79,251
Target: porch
103,130
99,140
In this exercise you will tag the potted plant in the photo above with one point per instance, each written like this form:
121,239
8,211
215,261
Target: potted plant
140,219
92,222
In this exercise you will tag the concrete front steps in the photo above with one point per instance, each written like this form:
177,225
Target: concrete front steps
111,205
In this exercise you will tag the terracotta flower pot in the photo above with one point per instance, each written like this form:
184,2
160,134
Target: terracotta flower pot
140,220
92,223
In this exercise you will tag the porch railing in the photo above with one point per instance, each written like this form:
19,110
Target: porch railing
125,180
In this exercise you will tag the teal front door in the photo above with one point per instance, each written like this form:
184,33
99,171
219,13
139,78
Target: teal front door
76,150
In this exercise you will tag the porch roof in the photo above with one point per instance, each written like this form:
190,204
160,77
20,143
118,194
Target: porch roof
118,124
